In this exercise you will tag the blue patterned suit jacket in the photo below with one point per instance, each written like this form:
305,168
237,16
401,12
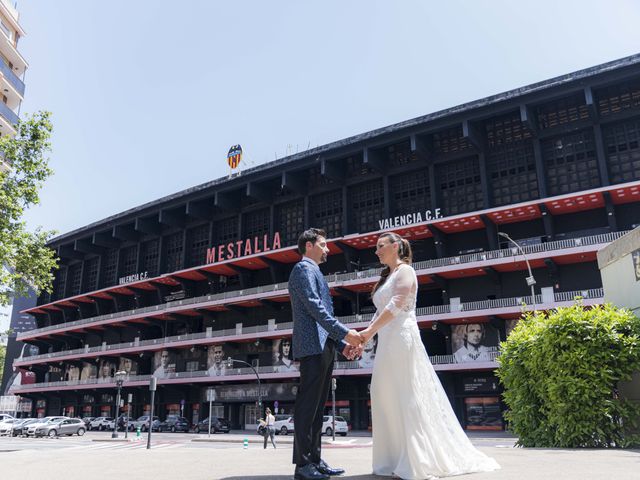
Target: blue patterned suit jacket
312,308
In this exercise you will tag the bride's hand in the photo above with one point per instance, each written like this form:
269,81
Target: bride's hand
366,335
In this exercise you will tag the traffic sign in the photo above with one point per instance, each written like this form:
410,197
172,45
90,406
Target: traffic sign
211,395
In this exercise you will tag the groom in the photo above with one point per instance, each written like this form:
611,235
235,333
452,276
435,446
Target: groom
316,332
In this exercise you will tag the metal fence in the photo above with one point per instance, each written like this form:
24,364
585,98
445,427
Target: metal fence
229,372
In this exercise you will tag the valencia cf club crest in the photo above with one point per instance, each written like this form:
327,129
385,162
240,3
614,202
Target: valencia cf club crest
234,156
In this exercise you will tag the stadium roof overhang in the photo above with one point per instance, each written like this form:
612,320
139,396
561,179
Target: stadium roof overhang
535,209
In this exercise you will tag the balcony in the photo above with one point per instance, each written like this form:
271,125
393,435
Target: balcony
451,360
471,262
489,256
505,307
12,78
11,10
232,374
10,52
9,115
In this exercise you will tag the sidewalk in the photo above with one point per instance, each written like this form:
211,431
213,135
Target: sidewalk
226,459
232,462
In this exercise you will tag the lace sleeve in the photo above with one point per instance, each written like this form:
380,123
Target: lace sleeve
403,290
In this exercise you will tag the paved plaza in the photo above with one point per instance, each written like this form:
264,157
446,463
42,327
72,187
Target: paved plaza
178,456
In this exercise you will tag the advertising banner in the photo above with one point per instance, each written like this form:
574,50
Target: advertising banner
249,392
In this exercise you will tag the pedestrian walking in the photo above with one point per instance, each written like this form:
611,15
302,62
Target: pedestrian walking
269,428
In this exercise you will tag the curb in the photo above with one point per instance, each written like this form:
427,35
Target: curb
114,440
260,441
256,441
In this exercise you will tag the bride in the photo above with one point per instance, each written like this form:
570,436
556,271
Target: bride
416,435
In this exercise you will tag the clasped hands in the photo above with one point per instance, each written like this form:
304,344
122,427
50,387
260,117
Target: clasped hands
356,342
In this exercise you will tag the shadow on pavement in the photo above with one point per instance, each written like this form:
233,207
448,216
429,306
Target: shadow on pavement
289,477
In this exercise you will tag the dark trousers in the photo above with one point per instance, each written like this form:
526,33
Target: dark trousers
315,380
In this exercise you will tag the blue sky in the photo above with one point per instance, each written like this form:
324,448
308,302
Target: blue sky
148,96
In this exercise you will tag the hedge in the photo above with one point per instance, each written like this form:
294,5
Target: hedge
560,370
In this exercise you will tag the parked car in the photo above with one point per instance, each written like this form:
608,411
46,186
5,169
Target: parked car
101,423
6,426
341,426
31,428
5,416
87,421
174,423
143,423
283,424
20,427
218,424
67,426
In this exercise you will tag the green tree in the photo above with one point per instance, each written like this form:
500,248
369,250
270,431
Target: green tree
27,261
561,371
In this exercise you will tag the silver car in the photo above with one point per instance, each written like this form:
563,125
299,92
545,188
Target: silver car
101,423
143,423
32,427
68,426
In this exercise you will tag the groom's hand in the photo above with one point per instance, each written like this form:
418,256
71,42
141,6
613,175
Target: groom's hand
348,352
352,353
353,338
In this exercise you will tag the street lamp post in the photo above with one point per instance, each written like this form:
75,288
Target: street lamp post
530,280
231,361
153,385
119,376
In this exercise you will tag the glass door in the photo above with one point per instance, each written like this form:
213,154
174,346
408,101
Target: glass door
251,416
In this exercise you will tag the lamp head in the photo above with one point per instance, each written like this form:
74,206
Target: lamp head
120,376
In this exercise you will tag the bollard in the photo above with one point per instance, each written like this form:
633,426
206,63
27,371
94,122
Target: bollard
138,437
245,443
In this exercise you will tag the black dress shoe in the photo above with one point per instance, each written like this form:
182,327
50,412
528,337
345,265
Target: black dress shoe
326,469
309,472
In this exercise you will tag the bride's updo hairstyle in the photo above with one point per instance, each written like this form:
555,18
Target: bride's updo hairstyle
404,253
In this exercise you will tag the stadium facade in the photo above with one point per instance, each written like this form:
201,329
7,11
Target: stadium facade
174,287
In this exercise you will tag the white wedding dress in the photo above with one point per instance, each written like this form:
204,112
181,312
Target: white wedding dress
416,435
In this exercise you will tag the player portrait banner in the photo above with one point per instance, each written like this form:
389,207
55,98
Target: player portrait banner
474,342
